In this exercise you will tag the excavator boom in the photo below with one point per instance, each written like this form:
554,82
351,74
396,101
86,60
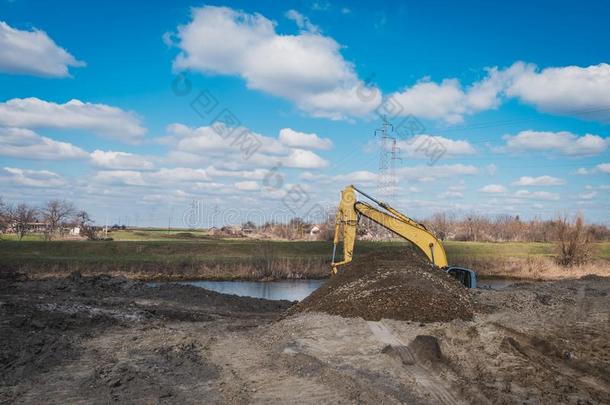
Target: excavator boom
347,220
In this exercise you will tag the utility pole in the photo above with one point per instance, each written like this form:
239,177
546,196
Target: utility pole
169,221
388,155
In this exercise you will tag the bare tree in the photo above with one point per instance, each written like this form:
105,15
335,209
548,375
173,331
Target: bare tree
573,242
23,215
440,224
56,213
85,223
477,227
6,217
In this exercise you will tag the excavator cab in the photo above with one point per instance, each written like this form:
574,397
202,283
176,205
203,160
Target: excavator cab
465,276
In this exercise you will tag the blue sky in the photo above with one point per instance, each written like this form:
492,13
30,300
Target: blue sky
517,100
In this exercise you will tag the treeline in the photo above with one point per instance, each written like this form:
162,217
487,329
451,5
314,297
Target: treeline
506,228
53,218
572,237
446,226
295,229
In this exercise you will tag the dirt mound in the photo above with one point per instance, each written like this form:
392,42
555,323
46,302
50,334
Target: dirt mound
392,286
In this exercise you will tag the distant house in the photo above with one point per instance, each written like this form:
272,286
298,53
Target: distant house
314,230
248,230
39,227
228,231
33,227
75,231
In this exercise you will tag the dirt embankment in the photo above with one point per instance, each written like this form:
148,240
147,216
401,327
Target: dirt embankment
102,340
252,269
400,286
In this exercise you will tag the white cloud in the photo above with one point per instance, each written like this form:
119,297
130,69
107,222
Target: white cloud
204,144
493,189
603,168
302,21
247,185
451,194
120,177
197,179
303,159
420,173
600,168
539,181
457,187
33,53
582,92
75,114
179,174
215,188
588,195
562,142
30,178
307,68
429,173
358,177
571,90
119,160
491,169
419,145
604,187
254,174
26,144
447,100
320,5
292,138
537,195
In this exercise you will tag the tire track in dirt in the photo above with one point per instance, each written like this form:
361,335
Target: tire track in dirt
543,355
423,377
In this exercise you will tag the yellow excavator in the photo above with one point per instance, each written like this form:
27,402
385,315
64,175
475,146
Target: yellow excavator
349,212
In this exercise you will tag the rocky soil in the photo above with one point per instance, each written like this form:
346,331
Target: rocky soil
105,340
400,286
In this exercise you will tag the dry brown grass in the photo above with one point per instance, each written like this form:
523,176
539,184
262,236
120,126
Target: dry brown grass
573,242
269,269
536,268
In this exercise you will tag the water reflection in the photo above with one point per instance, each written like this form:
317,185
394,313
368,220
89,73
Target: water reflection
295,290
292,290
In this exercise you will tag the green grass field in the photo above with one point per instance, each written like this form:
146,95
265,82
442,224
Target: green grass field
155,254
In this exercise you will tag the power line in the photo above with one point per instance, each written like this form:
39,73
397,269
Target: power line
491,124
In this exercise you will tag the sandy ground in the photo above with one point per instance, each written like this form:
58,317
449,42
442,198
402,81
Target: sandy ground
104,340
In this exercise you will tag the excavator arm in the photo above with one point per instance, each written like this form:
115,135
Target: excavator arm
347,220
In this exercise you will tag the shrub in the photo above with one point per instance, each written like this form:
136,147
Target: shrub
573,241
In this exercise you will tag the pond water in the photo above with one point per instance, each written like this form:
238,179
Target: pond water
291,290
294,290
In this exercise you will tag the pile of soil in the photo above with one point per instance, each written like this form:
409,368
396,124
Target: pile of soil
391,286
